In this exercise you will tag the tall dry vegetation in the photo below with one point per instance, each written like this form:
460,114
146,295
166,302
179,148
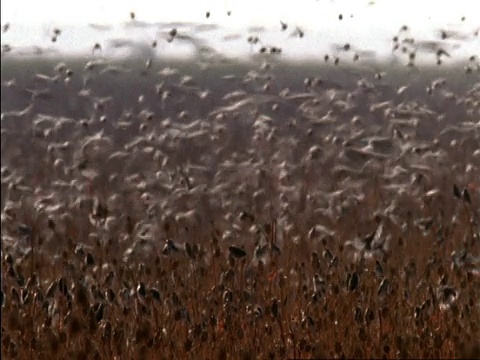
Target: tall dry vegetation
93,302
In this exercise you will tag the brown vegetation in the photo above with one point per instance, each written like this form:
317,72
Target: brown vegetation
326,226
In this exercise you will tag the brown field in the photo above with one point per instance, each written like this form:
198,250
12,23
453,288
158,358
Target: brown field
178,219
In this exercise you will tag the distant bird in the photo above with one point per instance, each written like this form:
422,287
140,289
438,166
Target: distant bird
170,247
456,192
172,33
298,32
353,281
378,269
25,230
466,196
441,52
384,287
237,252
96,47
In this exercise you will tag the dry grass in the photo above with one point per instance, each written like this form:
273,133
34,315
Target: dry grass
88,273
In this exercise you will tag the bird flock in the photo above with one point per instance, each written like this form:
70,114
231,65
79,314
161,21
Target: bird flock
160,209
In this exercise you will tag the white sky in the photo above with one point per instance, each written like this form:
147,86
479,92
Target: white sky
305,12
373,24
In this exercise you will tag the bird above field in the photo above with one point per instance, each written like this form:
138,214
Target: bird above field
298,33
436,47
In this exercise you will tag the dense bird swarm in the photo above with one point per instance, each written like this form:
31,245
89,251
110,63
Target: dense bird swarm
155,210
